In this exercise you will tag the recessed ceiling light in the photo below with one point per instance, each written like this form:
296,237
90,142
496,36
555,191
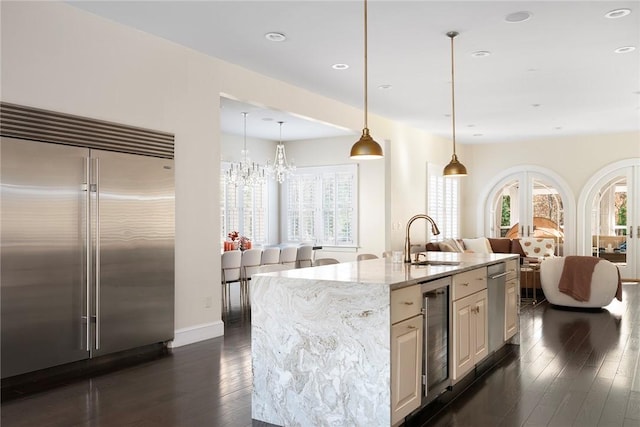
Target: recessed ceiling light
558,127
385,87
275,37
477,134
617,13
625,49
535,105
267,119
518,16
470,126
480,53
340,66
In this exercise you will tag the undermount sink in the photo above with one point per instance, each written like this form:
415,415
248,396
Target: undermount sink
427,262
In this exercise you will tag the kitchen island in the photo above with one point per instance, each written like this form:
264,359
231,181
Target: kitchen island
342,344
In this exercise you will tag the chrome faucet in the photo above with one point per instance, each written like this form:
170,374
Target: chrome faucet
407,239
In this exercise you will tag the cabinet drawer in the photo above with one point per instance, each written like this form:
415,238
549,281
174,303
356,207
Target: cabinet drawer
469,282
405,303
512,269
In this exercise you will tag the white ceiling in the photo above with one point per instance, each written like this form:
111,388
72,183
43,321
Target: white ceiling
555,74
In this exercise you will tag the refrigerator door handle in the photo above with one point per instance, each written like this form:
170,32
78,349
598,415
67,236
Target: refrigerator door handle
97,265
87,243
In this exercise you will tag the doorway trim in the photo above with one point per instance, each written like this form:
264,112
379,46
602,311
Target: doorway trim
587,190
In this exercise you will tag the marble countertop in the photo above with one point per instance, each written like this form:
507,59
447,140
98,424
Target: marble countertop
395,275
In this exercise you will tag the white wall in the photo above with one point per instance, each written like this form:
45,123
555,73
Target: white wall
410,151
371,195
575,159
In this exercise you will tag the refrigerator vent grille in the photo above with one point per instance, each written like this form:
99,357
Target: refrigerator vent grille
47,126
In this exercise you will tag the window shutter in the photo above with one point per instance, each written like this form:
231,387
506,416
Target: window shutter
443,202
321,205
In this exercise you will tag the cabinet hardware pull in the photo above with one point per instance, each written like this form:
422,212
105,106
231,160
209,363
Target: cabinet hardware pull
411,327
408,303
465,284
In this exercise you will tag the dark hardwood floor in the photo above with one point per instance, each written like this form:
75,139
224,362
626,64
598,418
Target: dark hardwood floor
574,369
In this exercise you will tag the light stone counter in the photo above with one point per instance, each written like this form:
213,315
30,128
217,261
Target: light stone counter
320,338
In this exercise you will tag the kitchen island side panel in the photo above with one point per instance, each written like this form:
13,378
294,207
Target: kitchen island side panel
320,352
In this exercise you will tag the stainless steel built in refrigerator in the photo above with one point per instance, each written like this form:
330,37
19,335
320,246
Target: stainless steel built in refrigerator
87,253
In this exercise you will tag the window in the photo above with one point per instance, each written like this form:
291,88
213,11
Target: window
320,205
443,202
243,209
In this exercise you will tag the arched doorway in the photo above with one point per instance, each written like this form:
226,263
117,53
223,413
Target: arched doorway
609,224
531,201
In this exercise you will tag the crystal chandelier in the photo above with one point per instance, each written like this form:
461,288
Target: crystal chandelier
281,168
245,173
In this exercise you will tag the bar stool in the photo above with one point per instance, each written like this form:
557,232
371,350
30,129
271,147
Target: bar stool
288,256
251,259
304,257
270,256
230,265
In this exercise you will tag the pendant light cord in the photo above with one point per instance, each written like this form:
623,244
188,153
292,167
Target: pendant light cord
244,154
366,98
452,34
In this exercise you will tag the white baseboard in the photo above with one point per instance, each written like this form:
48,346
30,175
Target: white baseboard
197,333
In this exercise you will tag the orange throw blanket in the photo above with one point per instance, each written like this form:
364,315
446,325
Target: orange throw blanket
575,279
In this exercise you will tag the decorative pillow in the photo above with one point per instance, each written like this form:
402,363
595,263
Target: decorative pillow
480,245
451,245
536,247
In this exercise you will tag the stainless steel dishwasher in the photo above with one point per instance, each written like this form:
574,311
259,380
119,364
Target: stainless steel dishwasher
496,283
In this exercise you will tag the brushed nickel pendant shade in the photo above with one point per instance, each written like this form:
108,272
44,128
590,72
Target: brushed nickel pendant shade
454,168
366,147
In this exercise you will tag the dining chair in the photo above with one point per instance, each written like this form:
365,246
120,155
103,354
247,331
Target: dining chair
305,256
325,261
270,256
362,257
288,256
230,265
251,259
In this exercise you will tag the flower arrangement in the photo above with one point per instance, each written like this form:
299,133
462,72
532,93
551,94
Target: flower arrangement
239,241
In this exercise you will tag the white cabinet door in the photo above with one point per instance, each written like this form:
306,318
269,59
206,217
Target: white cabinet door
510,309
470,332
462,332
406,367
480,338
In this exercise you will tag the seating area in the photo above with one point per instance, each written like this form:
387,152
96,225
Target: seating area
531,250
238,266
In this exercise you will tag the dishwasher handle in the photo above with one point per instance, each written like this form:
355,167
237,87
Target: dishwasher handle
497,276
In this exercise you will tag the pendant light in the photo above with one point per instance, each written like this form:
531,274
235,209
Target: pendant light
245,173
454,168
366,147
281,168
